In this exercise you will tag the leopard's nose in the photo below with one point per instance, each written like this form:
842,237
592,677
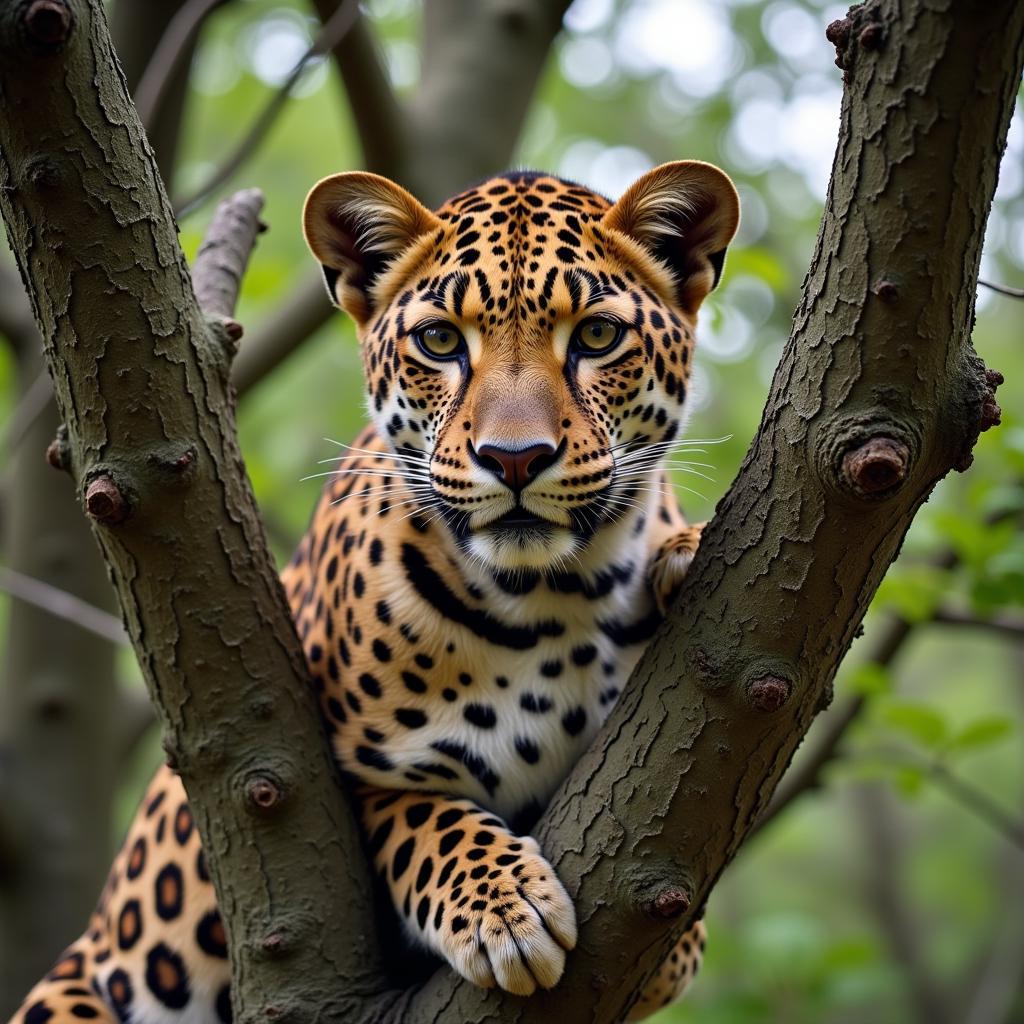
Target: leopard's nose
516,467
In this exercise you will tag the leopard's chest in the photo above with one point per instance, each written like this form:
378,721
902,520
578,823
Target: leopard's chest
497,705
526,717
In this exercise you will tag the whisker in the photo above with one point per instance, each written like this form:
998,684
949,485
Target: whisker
640,444
377,473
408,455
373,492
659,460
639,473
370,456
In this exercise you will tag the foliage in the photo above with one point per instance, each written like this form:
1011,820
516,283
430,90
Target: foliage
748,84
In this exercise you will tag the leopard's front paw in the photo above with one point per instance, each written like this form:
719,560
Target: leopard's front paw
670,564
507,920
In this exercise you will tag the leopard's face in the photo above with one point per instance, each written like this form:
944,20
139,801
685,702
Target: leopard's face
528,347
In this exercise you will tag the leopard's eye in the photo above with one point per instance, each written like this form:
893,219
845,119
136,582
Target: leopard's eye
597,336
442,341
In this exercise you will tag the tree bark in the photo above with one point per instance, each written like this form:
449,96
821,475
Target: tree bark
877,396
60,721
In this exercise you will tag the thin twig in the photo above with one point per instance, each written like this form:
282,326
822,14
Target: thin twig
978,802
1010,625
969,796
62,605
334,31
1002,289
172,49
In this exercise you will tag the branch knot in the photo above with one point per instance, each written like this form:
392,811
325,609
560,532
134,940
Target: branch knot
877,466
58,452
104,501
989,414
769,693
47,24
671,903
264,792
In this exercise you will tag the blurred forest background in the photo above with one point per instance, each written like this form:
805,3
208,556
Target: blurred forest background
891,886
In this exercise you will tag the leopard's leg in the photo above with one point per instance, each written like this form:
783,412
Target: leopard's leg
66,993
670,562
155,947
674,975
469,889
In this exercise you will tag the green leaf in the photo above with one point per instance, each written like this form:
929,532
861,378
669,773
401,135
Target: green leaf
972,538
922,723
909,780
982,732
914,593
869,679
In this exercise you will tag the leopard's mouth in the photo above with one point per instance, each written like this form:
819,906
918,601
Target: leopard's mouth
519,518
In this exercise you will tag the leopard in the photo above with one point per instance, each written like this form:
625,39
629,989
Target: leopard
485,565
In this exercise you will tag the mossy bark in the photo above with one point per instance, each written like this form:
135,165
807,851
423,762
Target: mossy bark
878,395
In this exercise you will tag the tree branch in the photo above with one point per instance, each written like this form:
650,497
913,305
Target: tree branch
336,29
58,732
1002,289
138,28
379,117
224,253
1010,626
976,801
62,605
690,756
171,55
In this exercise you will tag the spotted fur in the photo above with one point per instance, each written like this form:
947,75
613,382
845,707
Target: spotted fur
484,568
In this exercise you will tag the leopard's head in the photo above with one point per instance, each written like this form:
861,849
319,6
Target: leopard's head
527,346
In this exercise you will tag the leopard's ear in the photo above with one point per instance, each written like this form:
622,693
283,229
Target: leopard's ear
357,224
685,215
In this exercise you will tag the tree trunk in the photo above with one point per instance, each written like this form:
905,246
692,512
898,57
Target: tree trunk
60,709
57,720
877,396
